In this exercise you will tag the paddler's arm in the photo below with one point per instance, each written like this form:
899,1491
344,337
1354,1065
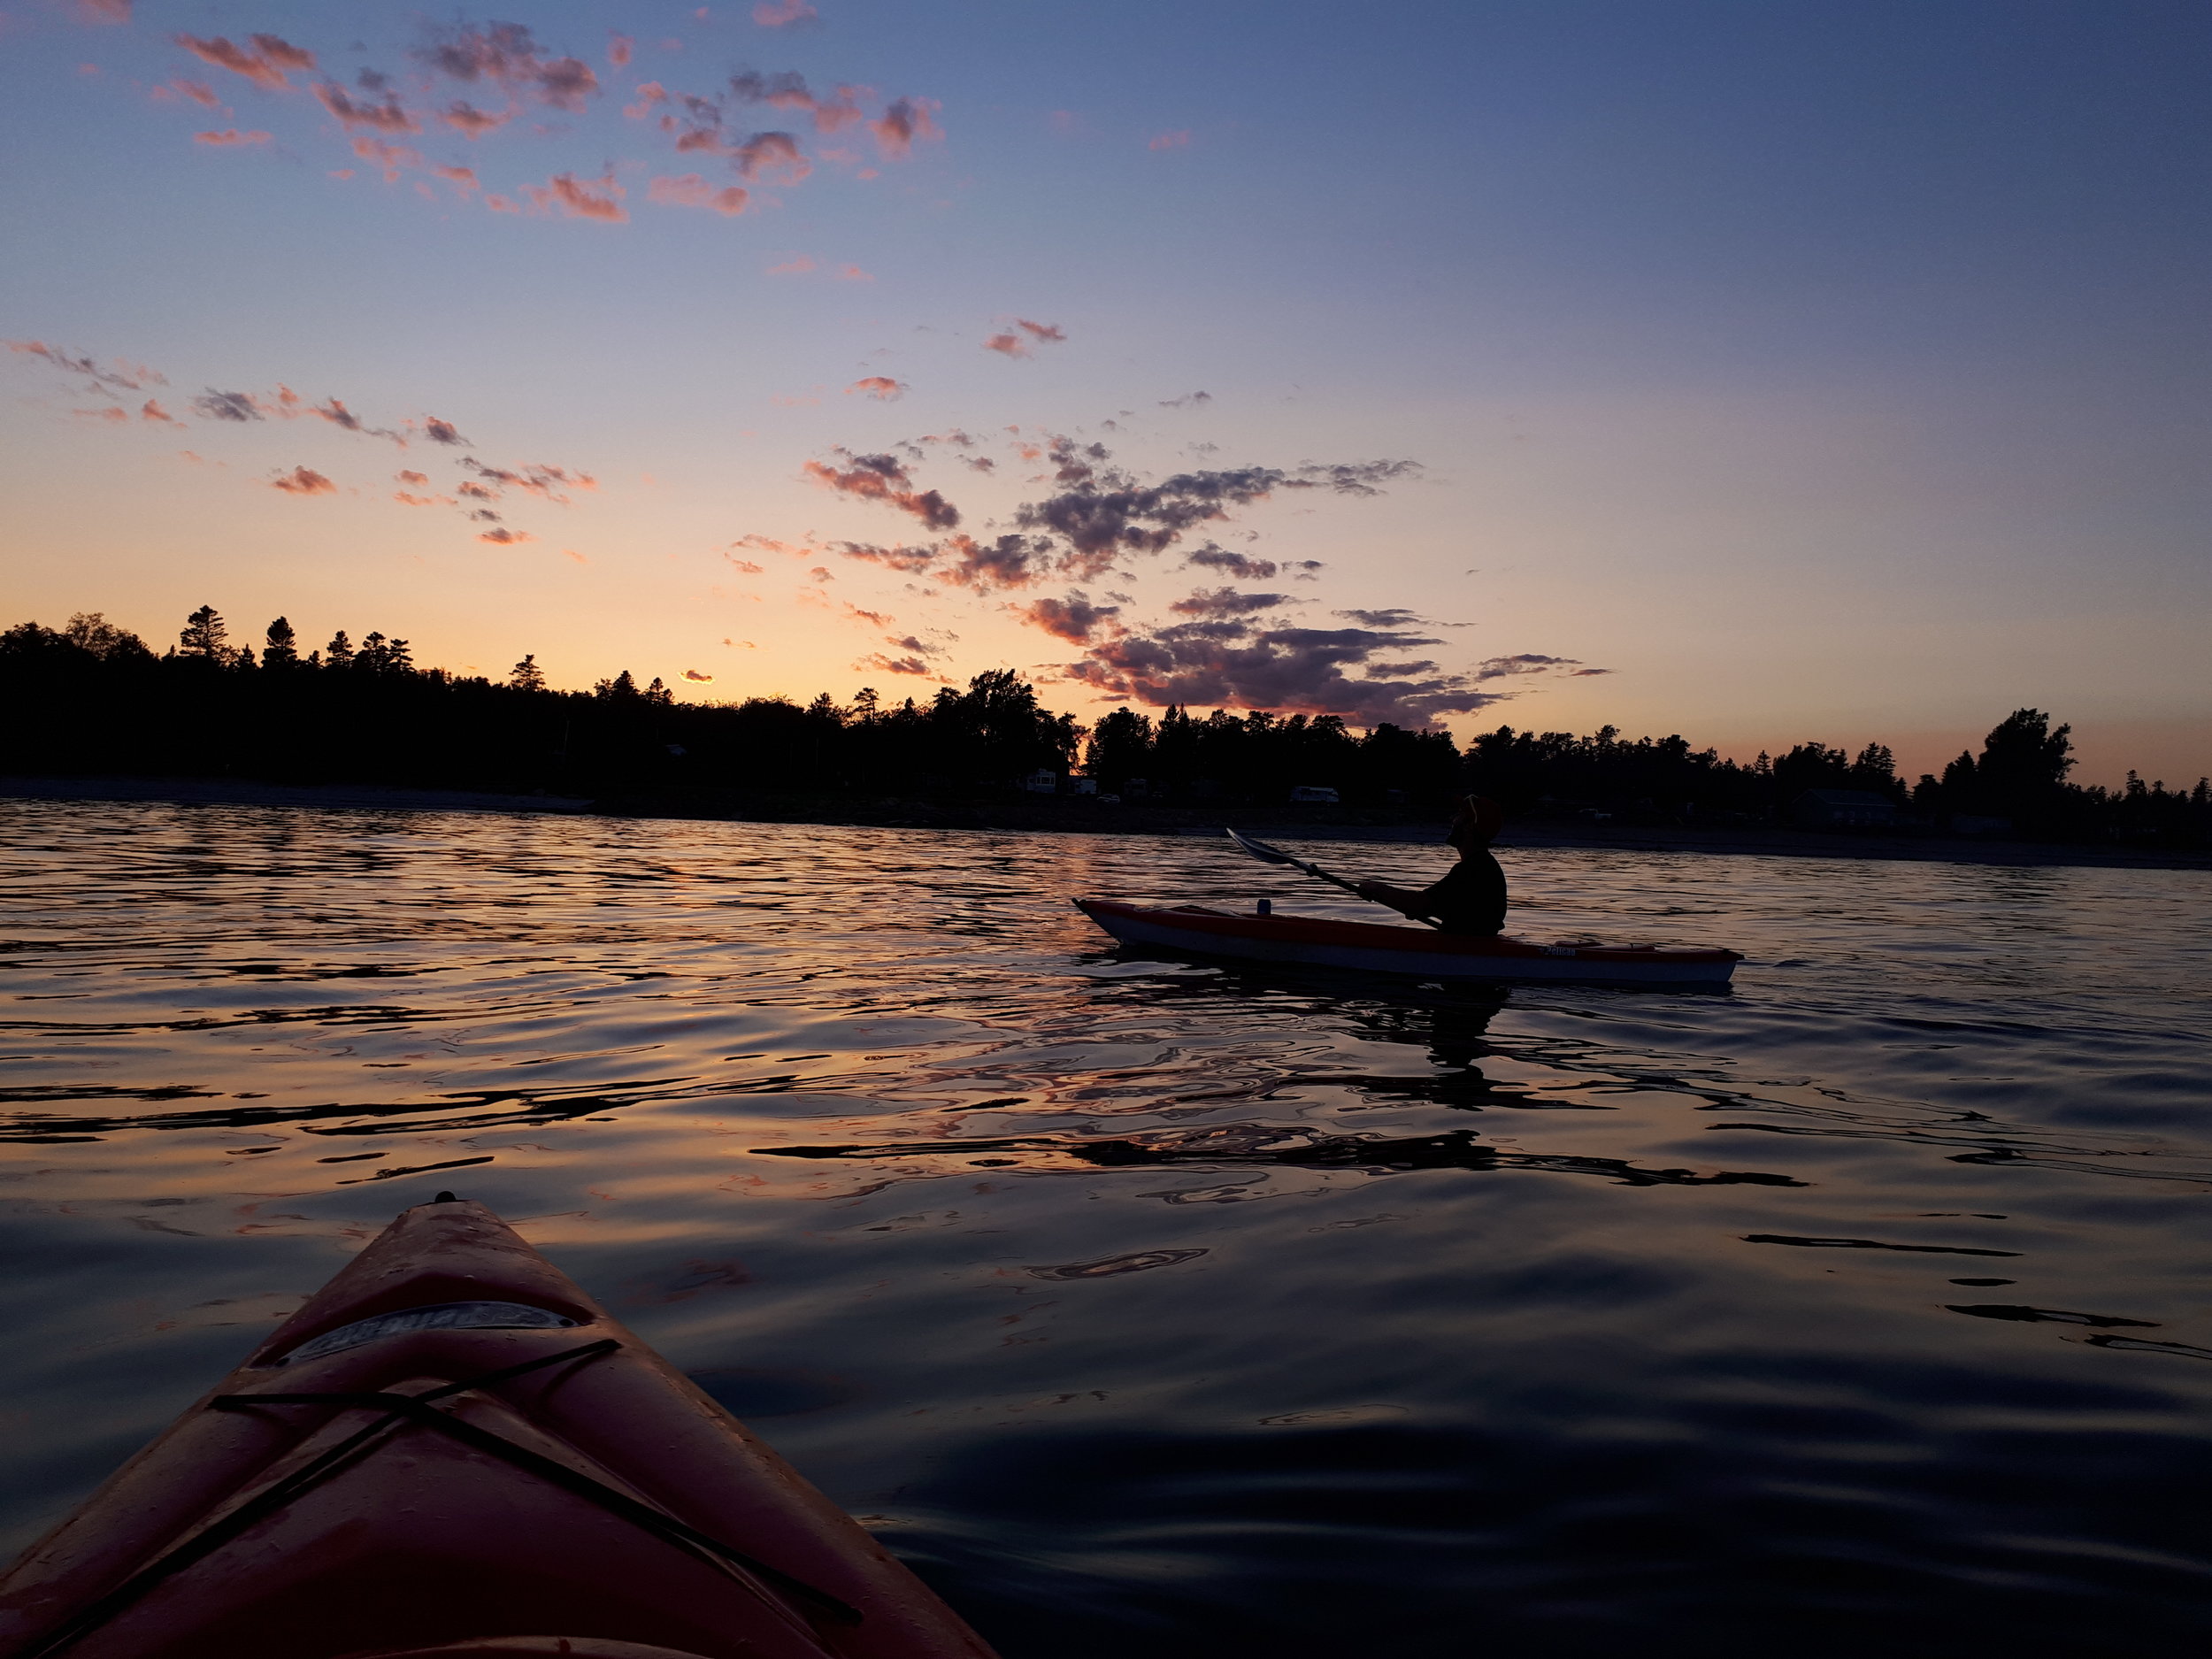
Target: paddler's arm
1405,901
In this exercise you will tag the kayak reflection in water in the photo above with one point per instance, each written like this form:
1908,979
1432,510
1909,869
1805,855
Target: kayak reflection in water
1470,898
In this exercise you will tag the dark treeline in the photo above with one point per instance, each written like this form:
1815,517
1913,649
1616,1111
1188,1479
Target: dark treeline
2016,784
92,698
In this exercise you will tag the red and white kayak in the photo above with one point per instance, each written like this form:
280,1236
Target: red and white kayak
1375,947
451,1450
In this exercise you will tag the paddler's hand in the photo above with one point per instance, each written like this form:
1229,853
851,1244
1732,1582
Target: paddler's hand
1379,891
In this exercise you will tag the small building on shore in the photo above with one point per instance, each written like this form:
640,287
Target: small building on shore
1844,809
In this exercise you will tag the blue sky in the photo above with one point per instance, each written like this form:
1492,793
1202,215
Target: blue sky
1767,371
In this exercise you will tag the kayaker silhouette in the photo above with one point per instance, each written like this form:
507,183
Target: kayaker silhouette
1470,898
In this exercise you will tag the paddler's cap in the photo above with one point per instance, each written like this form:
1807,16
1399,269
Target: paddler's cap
1480,813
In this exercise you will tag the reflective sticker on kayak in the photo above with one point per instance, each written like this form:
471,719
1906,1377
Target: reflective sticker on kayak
446,1316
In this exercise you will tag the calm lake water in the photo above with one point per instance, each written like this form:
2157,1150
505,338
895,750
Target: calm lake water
1153,1307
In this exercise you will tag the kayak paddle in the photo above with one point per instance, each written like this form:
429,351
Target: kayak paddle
1266,853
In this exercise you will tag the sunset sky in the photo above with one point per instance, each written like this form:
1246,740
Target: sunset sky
1759,371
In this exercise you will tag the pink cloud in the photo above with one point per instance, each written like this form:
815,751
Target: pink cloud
775,14
1039,331
1009,345
907,120
1074,618
882,665
407,499
882,477
234,406
263,61
1013,560
852,273
230,136
1227,662
691,190
471,122
882,387
504,537
693,674
1228,601
389,158
198,91
104,11
769,544
788,91
154,411
442,431
290,406
304,482
794,265
505,55
129,377
651,94
544,482
563,195
619,47
772,153
111,414
387,116
1170,141
462,178
911,561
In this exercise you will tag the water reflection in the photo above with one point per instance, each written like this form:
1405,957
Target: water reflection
1148,1302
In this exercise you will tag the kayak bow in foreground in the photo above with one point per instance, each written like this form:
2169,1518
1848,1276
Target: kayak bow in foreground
1374,948
452,1450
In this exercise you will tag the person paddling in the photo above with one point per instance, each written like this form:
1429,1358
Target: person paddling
1470,898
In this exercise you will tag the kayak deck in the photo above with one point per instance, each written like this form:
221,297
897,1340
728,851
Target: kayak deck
452,1449
1370,947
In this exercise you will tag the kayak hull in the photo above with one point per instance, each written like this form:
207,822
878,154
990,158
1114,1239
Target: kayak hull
558,1508
1422,952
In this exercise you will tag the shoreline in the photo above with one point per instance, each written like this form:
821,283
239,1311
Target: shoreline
246,791
1080,815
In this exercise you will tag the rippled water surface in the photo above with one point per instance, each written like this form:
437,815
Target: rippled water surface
1149,1307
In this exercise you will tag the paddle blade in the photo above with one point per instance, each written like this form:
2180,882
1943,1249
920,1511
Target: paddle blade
1260,850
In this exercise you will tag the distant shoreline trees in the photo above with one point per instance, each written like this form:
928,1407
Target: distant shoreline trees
90,697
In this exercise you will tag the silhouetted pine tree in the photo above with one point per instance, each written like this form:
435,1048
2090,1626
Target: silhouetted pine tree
204,635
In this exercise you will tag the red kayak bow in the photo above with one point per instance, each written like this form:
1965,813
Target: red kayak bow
451,1450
